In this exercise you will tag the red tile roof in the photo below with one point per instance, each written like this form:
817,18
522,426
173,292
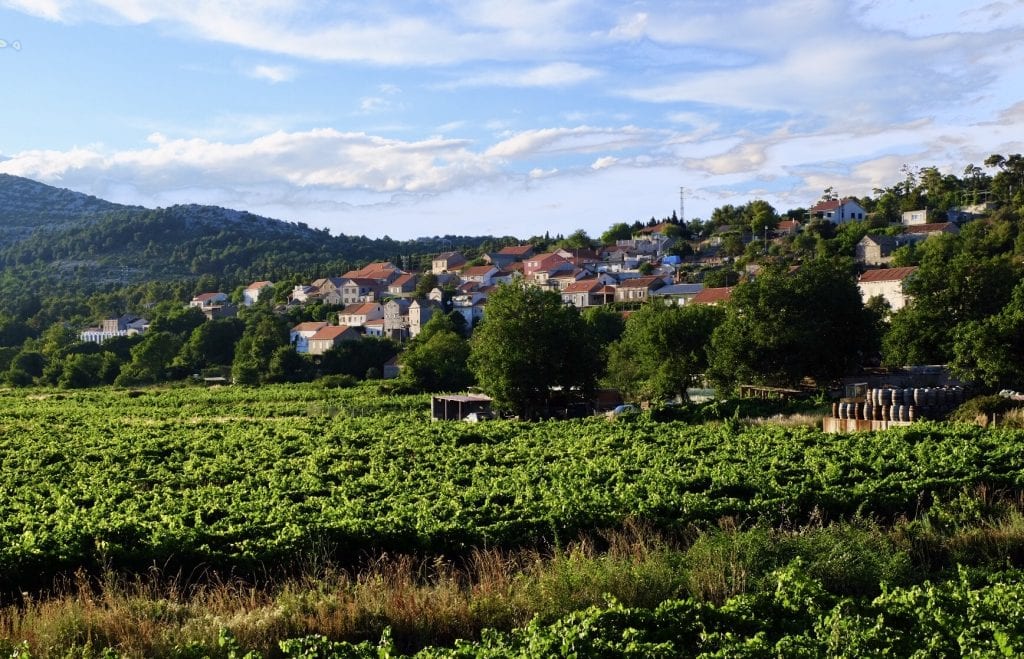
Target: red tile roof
887,274
831,204
331,332
934,227
477,270
312,326
258,284
516,250
583,286
713,295
359,308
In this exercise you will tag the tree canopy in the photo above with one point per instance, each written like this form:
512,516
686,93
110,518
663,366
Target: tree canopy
529,343
784,326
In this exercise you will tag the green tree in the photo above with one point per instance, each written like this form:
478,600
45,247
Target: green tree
437,359
150,359
761,217
960,279
617,231
991,351
662,351
210,344
528,343
577,240
784,326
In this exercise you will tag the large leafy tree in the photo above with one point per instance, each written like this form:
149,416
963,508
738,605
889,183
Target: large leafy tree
785,326
528,343
663,350
436,360
960,279
991,351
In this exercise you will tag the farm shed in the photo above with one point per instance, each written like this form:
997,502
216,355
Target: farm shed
457,407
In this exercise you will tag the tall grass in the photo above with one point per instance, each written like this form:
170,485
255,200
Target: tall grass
433,600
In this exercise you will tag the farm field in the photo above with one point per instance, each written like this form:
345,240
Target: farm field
256,483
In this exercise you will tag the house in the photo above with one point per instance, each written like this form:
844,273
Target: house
447,262
356,315
391,369
327,285
303,293
300,335
470,307
359,289
396,318
637,289
481,274
678,294
383,272
330,337
876,250
420,312
912,218
252,292
509,255
126,325
713,296
548,261
403,285
588,293
208,300
374,328
213,305
787,228
839,211
887,284
566,278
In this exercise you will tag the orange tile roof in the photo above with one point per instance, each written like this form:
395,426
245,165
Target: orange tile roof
887,274
713,295
331,332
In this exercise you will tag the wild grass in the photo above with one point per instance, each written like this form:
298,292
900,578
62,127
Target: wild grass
435,600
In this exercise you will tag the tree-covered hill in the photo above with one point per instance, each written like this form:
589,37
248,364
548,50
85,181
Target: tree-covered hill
50,231
27,205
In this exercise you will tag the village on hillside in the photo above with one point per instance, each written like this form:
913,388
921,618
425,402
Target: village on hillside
382,300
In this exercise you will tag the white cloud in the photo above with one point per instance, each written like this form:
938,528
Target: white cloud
582,139
386,33
631,27
605,162
274,74
323,157
556,74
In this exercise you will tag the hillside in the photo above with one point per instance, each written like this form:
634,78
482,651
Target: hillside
59,232
27,205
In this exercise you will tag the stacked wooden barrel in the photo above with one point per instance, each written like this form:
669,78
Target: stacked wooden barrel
901,404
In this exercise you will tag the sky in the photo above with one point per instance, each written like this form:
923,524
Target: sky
476,117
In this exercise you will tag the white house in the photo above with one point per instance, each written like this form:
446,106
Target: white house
839,211
300,335
356,315
888,284
331,336
252,292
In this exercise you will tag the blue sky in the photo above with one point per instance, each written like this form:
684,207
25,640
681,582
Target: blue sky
495,117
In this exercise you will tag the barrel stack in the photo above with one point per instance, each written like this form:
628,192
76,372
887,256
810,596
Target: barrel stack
883,407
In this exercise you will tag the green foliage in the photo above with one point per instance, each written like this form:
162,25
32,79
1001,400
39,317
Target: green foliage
150,359
785,326
991,351
663,350
528,343
437,359
617,231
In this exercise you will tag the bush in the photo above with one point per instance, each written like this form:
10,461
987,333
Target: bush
339,381
981,409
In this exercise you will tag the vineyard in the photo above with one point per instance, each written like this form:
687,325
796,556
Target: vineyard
241,479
